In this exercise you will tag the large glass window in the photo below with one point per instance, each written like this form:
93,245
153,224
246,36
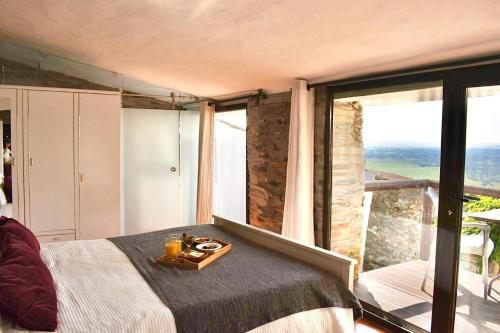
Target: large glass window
230,179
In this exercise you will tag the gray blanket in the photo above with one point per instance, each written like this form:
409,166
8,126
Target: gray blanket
246,288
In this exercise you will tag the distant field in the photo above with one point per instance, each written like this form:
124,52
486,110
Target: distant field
482,165
404,169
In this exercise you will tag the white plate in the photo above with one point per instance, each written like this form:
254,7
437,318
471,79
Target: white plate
209,247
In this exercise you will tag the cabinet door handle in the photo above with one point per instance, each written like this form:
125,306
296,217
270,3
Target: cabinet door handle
81,177
31,161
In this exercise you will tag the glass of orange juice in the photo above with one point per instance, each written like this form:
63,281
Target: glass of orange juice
173,245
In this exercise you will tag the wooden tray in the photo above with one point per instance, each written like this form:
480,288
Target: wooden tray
185,263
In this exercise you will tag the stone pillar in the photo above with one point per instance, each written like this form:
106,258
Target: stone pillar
348,181
268,122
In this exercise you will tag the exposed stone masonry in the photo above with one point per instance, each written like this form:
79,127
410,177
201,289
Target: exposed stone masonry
348,181
267,152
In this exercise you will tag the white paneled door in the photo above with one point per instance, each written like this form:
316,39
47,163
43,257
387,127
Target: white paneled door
150,170
50,157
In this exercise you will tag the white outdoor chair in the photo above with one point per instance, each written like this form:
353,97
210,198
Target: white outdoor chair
479,244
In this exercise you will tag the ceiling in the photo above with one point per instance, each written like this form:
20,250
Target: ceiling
222,47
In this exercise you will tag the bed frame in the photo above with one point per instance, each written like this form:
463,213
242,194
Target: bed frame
339,265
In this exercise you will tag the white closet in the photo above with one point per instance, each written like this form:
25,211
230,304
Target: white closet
99,165
49,150
68,162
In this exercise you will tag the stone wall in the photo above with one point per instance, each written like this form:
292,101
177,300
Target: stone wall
348,181
268,121
267,151
394,228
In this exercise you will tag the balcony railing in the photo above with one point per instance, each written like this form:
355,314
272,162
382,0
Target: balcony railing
429,195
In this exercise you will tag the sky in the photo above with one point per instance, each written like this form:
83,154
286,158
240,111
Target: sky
419,124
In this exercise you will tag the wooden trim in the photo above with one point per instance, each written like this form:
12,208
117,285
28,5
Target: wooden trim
388,185
100,92
55,232
339,265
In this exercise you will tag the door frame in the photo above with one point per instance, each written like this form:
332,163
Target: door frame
456,78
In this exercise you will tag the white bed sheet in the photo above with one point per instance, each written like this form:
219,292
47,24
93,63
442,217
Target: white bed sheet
99,290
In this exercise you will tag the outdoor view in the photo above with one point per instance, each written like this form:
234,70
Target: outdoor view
401,139
413,152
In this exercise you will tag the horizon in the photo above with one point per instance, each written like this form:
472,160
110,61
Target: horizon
418,124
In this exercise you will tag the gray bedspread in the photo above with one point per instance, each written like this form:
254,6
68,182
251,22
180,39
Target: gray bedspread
246,288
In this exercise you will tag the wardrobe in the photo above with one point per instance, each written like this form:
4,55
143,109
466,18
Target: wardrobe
66,167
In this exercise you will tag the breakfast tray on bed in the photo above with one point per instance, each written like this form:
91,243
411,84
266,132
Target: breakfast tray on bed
188,264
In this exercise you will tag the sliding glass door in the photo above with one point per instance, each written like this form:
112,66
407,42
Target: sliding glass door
386,149
413,192
478,294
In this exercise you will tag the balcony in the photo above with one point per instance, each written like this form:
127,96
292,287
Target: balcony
393,285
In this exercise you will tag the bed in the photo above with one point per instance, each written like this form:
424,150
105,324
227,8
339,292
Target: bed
100,288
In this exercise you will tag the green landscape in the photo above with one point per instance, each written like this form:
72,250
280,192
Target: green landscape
482,167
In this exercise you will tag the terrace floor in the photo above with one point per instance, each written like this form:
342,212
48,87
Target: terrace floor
396,290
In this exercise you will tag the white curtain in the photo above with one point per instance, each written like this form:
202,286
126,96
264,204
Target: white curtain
204,198
298,221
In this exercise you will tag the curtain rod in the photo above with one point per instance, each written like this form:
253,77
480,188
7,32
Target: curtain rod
158,96
259,93
486,60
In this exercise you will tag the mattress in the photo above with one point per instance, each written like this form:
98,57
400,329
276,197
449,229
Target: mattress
99,290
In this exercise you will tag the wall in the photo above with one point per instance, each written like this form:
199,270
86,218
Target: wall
18,74
267,152
394,228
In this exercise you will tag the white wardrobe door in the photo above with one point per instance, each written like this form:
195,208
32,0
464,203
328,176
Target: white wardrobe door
51,173
150,170
99,161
